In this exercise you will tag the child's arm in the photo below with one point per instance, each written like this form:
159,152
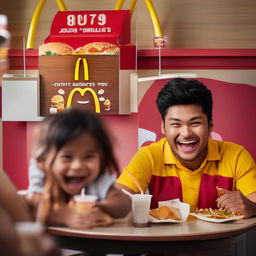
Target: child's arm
66,216
116,204
63,215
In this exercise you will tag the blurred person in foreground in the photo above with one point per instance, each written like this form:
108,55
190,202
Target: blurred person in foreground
13,208
188,164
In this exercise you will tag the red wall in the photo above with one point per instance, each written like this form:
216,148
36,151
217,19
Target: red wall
14,152
18,141
233,111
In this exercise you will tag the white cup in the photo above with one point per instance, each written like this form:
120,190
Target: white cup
29,235
29,228
140,209
84,202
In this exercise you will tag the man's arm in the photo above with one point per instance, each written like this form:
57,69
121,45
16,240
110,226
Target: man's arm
252,197
116,204
236,202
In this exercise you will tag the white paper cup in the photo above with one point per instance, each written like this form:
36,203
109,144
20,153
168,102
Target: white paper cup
84,202
29,228
140,209
29,235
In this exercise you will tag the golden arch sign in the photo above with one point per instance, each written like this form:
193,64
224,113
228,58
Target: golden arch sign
62,7
77,67
63,86
82,92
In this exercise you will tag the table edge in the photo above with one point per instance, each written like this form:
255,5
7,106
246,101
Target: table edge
203,236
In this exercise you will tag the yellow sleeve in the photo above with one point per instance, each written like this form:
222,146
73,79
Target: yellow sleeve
141,167
245,173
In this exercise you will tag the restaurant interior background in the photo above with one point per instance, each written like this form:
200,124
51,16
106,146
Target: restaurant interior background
206,30
187,24
193,28
190,26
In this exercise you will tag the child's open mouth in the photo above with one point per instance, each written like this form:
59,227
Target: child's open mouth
74,182
73,179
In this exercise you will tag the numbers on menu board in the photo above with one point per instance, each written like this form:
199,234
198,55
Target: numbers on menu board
86,19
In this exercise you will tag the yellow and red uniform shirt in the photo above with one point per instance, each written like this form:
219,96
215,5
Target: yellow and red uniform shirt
156,168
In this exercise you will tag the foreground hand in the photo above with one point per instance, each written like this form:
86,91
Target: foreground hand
236,202
38,245
47,247
88,219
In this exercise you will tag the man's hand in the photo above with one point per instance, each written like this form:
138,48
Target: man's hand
236,202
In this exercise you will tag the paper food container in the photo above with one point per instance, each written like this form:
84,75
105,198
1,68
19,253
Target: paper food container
183,208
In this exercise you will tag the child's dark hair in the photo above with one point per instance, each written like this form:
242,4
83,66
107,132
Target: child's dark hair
58,129
180,91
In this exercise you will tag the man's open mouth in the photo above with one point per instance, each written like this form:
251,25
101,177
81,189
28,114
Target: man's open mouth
187,146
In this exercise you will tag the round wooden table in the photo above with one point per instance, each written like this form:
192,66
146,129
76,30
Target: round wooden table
193,236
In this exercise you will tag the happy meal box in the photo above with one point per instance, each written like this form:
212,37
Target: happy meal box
86,62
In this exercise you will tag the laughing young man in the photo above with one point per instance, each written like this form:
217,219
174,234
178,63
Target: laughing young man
187,164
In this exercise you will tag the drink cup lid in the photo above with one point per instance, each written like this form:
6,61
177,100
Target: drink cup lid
141,195
29,227
85,198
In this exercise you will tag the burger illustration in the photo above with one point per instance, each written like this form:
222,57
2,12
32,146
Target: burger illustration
98,48
57,104
101,91
55,48
107,104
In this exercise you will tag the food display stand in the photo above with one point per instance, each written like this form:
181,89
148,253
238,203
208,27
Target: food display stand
92,68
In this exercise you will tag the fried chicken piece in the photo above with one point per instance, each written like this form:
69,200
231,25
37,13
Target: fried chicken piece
166,212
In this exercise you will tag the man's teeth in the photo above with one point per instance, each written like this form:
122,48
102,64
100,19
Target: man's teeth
187,142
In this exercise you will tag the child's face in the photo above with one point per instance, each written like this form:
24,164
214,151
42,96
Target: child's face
77,164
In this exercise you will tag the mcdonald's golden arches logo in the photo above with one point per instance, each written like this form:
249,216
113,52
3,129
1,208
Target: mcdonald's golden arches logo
82,92
77,67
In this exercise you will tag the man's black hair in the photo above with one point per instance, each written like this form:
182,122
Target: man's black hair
180,91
